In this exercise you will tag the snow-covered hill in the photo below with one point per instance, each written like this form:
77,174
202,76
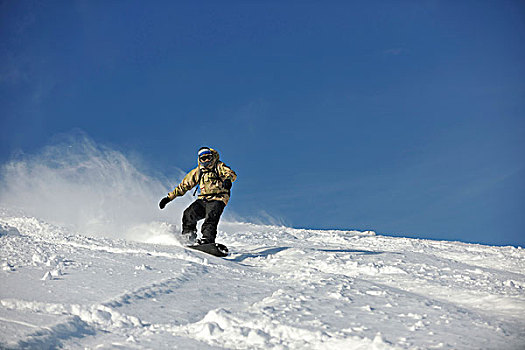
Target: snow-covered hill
89,261
281,288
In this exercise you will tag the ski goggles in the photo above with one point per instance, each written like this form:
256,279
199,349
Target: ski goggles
205,158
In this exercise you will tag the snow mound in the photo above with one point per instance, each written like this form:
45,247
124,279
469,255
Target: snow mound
6,230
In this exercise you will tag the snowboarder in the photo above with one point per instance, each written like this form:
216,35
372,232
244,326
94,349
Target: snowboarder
215,181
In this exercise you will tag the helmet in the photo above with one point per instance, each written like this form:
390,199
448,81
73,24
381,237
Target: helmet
205,156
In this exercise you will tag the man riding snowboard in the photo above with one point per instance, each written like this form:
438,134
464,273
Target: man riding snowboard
215,181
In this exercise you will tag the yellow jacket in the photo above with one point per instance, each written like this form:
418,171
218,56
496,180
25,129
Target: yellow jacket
210,179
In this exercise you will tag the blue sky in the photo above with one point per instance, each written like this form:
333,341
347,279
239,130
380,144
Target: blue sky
404,117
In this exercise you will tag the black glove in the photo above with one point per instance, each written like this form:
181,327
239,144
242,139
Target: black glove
163,202
227,184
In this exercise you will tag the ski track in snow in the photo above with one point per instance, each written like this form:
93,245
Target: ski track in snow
280,288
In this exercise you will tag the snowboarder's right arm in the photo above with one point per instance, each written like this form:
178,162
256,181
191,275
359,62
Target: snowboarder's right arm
189,181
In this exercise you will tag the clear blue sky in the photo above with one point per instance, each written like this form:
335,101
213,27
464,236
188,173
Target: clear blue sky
405,117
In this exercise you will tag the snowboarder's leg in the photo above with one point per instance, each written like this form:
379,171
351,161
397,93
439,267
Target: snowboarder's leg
195,212
213,214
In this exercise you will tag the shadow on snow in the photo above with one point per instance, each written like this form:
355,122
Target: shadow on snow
270,251
262,253
364,252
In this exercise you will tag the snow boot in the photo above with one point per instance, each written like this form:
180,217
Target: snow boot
189,238
204,240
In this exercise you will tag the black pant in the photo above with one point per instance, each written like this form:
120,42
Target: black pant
202,209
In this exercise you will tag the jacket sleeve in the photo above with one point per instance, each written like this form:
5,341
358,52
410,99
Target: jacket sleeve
189,181
226,172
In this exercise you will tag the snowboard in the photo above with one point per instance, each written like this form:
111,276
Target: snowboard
215,249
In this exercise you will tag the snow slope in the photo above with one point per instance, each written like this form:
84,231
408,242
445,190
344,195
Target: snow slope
281,288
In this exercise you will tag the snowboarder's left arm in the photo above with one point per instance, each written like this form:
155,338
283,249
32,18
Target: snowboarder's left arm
226,173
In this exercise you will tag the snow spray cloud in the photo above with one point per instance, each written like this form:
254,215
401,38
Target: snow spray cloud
92,189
